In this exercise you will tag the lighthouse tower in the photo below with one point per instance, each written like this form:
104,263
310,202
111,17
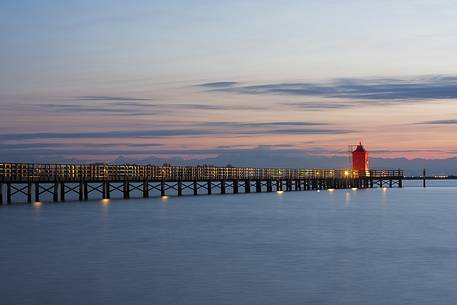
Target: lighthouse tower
360,158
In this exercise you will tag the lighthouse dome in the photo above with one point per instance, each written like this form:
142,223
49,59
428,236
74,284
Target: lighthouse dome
360,148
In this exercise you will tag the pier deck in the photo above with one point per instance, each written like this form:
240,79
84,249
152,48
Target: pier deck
28,182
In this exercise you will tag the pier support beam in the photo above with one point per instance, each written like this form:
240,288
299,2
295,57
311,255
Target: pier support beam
209,187
126,190
86,191
37,192
258,186
81,191
288,185
278,185
62,191
29,192
104,190
424,174
235,186
222,186
162,188
108,190
145,189
55,192
247,186
269,186
8,193
179,188
195,188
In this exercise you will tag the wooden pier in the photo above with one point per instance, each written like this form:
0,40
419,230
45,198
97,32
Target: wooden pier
24,182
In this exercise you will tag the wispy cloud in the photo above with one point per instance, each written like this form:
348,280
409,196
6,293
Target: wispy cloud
119,134
218,84
34,146
108,98
318,106
189,129
123,108
439,122
273,124
373,90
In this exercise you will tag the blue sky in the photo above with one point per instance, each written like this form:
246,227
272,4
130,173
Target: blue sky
85,67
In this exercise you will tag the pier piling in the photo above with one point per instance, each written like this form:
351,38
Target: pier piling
222,187
424,175
29,192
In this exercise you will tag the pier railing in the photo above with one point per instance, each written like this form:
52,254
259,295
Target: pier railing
28,172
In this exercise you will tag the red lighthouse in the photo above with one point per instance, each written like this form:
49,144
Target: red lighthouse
360,158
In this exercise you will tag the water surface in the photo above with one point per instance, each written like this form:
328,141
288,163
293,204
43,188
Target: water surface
395,246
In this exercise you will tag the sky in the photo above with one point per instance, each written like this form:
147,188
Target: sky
99,80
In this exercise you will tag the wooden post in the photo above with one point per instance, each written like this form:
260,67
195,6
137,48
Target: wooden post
126,190
55,193
258,186
400,182
86,191
424,178
103,190
29,192
222,186
8,193
145,189
108,190
247,186
235,186
179,188
162,188
81,191
195,188
390,183
37,192
209,187
62,191
269,186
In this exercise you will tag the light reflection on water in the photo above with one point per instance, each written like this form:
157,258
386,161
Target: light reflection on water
344,247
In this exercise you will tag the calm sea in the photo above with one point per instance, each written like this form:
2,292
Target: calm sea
395,246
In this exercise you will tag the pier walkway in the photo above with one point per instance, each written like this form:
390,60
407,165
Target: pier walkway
26,182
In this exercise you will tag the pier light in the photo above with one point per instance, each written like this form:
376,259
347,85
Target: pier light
165,197
37,204
331,190
279,192
105,201
346,173
354,189
384,189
